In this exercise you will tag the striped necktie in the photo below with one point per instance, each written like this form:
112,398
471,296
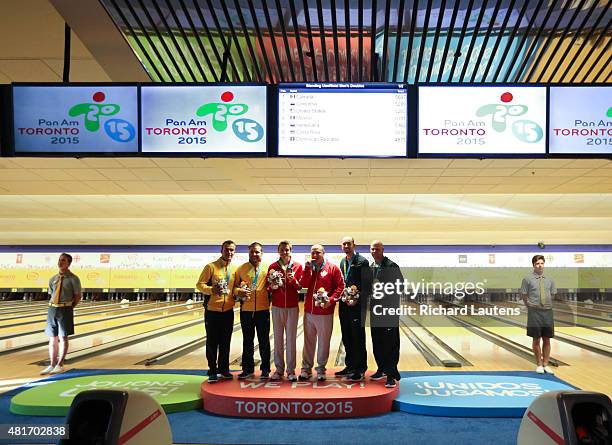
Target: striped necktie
542,291
58,291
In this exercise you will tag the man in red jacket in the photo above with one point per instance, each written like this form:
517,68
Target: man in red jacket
284,284
325,278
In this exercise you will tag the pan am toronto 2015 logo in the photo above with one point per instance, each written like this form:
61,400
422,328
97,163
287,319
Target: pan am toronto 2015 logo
524,130
119,130
247,130
94,113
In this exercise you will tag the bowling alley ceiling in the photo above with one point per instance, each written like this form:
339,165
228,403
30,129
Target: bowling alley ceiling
413,41
202,201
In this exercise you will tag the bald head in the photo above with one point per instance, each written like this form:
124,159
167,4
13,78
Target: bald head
348,246
377,250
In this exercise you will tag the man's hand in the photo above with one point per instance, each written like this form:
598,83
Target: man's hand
327,304
351,302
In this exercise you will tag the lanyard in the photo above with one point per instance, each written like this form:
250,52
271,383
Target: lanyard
347,271
254,282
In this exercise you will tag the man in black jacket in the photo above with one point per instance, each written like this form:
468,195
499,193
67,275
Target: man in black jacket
384,321
352,313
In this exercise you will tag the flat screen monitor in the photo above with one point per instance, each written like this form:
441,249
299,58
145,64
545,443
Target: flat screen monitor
487,120
580,120
75,119
346,120
219,119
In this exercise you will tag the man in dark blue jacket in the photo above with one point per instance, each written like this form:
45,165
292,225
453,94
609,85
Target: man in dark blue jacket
352,312
384,318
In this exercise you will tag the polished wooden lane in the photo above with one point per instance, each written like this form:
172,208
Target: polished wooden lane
587,369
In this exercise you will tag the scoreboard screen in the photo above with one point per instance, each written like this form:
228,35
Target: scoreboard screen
347,120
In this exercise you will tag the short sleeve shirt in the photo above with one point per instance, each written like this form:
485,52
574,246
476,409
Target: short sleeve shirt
71,286
531,287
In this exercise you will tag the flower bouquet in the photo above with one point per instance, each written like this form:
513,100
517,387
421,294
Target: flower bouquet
350,294
321,298
242,298
276,279
222,286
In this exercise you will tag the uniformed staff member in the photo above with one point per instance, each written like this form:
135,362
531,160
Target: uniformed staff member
65,294
538,291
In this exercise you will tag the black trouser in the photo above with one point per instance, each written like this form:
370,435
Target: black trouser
353,338
386,346
251,321
219,327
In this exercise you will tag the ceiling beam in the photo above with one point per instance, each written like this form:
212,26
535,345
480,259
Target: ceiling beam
90,21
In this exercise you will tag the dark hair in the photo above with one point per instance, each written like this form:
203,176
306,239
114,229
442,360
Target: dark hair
227,243
255,244
537,258
285,243
67,256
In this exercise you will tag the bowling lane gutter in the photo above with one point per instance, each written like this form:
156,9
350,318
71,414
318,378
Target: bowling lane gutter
99,331
570,323
600,306
584,344
169,355
43,304
83,323
93,311
172,354
420,345
561,311
456,360
501,341
124,342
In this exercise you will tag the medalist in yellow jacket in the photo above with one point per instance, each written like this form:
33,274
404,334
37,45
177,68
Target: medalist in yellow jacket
245,274
211,275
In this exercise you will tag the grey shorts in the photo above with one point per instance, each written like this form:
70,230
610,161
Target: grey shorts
540,323
60,322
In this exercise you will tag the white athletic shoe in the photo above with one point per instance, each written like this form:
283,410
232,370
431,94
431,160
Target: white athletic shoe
547,370
540,370
58,369
47,370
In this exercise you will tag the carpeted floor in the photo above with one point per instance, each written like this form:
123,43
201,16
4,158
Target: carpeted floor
198,427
